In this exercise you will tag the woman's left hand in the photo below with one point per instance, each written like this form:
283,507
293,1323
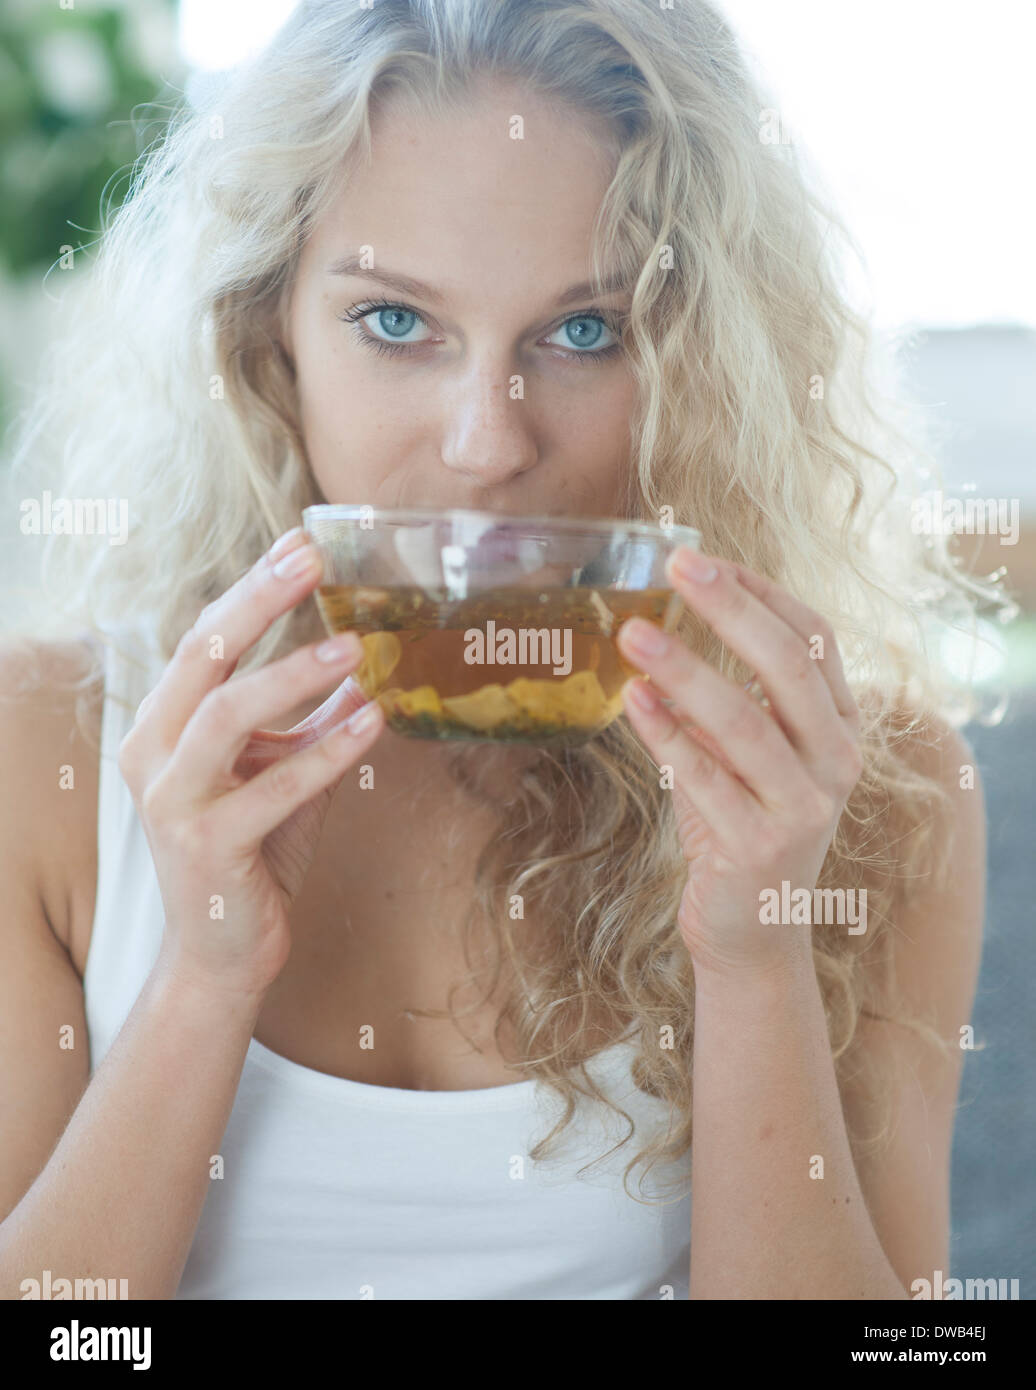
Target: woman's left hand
758,794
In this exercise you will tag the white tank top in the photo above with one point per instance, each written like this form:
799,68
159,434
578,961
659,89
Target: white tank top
335,1189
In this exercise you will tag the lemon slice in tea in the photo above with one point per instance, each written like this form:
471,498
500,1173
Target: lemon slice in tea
382,651
584,699
482,709
541,700
579,700
422,700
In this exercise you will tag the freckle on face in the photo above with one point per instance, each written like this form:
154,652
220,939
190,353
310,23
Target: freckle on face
500,227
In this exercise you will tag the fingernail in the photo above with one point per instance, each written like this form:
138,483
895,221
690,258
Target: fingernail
644,637
286,542
688,564
364,719
298,562
341,648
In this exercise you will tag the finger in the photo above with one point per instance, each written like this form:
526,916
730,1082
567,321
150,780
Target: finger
800,696
239,618
216,734
753,743
700,736
727,807
244,817
810,626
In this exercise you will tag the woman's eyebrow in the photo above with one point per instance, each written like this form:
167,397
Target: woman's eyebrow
405,284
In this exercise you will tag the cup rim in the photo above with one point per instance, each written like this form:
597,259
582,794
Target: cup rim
350,511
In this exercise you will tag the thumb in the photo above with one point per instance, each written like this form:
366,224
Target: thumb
342,702
267,745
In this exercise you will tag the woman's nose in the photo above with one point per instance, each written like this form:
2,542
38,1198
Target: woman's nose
488,430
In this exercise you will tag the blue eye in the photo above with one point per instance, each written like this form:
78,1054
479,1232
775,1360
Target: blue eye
584,332
394,320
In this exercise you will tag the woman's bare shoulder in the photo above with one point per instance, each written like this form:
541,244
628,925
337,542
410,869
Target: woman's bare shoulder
51,698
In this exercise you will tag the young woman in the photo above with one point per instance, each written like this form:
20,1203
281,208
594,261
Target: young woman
271,1030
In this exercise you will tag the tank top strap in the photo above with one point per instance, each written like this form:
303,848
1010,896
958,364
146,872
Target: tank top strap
132,666
128,915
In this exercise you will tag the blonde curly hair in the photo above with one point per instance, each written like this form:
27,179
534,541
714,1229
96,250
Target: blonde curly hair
757,420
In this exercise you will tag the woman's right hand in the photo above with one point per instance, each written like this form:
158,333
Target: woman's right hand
233,812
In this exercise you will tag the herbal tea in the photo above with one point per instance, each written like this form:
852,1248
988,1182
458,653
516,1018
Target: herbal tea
524,665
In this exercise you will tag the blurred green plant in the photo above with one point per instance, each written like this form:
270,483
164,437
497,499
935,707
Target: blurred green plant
71,80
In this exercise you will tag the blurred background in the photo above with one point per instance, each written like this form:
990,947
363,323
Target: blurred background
914,115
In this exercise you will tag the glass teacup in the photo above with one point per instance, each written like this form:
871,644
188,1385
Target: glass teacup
479,625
